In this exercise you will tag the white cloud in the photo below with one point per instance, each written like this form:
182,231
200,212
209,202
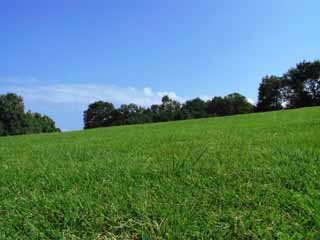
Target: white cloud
148,91
205,97
84,94
250,100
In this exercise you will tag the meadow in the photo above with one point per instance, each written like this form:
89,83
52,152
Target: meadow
254,176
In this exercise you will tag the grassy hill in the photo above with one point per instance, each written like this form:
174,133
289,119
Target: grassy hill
253,176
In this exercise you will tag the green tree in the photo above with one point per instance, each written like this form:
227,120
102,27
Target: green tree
155,113
13,119
37,123
133,114
217,107
99,114
269,96
195,108
170,109
302,85
237,104
12,114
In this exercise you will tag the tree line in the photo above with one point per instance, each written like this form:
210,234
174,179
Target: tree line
14,120
298,87
104,114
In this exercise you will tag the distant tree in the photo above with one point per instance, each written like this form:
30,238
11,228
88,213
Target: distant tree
37,123
99,114
12,114
237,104
133,114
34,126
217,107
195,108
269,96
170,109
13,119
127,113
155,113
302,85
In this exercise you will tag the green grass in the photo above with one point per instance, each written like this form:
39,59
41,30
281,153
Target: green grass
253,176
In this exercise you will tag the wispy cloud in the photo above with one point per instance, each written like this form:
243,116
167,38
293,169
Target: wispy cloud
33,90
250,100
84,94
18,81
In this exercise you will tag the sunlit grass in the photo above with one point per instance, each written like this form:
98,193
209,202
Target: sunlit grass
253,176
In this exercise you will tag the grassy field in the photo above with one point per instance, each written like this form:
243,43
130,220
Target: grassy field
251,176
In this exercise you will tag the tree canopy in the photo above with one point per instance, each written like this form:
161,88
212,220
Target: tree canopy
298,87
103,114
14,120
270,97
301,85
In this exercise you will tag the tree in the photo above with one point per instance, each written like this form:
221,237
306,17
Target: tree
127,113
195,108
301,86
99,114
133,114
13,119
37,123
217,107
155,113
170,109
269,96
12,114
237,104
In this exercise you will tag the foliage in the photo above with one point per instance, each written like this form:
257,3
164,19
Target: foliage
237,104
12,114
298,87
250,176
195,108
217,107
99,114
14,121
302,84
38,123
102,114
270,97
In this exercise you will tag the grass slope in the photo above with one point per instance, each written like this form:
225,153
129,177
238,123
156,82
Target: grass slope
242,177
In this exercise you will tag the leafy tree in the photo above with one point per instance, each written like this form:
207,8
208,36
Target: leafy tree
127,113
302,85
133,114
34,126
99,114
195,108
155,113
37,123
12,114
269,97
237,104
217,107
13,119
170,109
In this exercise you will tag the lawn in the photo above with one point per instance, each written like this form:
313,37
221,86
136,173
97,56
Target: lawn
254,176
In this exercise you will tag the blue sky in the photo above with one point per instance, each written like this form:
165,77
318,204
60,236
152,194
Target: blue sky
61,55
